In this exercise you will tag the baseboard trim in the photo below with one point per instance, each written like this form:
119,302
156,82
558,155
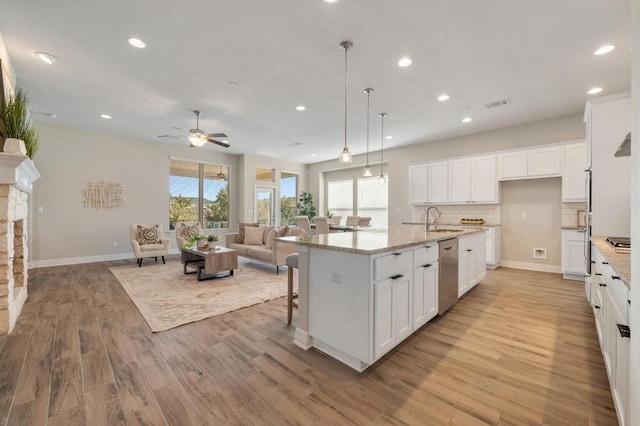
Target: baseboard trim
530,266
77,260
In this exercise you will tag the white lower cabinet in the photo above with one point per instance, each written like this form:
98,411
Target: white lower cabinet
611,310
393,313
573,254
493,247
472,266
425,294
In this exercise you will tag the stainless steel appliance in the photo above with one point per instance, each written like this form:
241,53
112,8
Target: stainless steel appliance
448,279
587,233
620,244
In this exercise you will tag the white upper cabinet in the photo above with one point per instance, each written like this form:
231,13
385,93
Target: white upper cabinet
573,175
484,185
437,181
418,188
460,181
512,165
544,162
541,162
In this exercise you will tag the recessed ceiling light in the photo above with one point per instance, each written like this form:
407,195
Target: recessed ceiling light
405,62
313,155
443,97
301,107
466,119
136,42
389,137
604,49
47,58
594,90
105,116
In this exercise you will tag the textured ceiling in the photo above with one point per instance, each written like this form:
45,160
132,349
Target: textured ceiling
282,53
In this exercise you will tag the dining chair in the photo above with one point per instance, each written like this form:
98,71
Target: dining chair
303,222
352,221
336,220
322,225
364,221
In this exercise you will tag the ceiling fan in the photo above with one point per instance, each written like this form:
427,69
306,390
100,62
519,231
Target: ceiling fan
197,137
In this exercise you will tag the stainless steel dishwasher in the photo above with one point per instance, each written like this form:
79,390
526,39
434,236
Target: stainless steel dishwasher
448,279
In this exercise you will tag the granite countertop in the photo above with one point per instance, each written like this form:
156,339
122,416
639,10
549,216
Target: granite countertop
376,240
576,227
456,225
620,262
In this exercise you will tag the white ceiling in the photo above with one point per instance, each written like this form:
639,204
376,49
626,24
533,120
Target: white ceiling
282,53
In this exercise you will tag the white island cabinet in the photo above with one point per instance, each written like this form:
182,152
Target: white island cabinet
366,291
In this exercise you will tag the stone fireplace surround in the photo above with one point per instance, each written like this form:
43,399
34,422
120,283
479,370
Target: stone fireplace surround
17,174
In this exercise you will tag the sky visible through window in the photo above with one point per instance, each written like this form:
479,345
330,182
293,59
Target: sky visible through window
188,186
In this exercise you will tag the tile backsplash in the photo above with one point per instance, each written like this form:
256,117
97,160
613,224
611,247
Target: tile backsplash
452,214
570,213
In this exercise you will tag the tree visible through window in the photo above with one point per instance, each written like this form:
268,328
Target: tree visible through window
198,192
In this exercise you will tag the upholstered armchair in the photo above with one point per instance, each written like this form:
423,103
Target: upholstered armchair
186,230
364,221
147,241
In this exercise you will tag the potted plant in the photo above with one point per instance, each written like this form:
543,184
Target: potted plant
199,240
305,205
211,239
15,125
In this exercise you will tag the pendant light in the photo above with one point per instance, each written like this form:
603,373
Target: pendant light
345,155
382,179
367,172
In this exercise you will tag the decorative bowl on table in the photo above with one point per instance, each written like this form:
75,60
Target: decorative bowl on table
472,221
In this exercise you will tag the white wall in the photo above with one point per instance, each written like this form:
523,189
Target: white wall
69,158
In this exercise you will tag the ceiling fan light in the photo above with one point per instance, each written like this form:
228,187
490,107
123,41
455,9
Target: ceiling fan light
196,140
367,172
346,156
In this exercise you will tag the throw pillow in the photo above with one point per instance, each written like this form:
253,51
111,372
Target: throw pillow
272,235
189,231
253,235
283,230
148,235
267,229
241,229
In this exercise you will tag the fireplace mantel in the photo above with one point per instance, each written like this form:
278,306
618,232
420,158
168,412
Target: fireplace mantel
19,171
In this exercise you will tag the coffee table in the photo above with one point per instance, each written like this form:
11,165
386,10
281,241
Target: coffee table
208,263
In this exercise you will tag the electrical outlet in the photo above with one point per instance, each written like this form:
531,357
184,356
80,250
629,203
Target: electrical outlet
115,244
539,253
336,278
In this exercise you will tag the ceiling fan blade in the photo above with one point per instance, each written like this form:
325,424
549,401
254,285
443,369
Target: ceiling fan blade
170,136
224,144
217,135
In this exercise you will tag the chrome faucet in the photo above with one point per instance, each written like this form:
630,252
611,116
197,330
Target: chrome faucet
428,226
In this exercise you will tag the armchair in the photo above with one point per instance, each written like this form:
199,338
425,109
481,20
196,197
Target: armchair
147,241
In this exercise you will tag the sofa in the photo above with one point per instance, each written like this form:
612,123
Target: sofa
259,242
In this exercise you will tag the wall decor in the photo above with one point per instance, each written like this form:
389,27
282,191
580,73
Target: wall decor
104,195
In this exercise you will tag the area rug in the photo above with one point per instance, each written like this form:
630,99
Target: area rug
167,298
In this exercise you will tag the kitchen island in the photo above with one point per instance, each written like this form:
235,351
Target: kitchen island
361,293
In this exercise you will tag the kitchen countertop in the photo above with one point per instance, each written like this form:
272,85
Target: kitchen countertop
577,228
620,262
376,240
458,225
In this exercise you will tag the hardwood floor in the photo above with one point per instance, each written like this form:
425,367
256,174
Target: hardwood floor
519,349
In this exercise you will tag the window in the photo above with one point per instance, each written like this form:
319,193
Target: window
288,198
265,175
198,192
373,200
340,197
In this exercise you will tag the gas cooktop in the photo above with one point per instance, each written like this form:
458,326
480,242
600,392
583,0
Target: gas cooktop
620,244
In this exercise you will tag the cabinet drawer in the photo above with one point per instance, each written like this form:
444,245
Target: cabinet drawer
619,294
393,264
425,255
471,242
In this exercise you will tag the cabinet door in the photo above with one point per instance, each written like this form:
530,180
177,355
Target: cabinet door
480,269
512,165
392,313
489,253
384,315
464,263
437,182
573,260
544,162
621,389
573,175
484,183
418,176
425,294
460,181
610,333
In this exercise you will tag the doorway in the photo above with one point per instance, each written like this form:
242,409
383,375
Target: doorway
265,205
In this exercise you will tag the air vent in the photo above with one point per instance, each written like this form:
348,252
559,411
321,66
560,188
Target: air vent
497,103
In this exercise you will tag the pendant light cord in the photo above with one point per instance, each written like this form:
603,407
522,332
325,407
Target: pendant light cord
368,96
382,114
345,95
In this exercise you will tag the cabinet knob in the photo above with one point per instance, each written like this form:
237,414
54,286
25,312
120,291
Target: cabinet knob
469,250
605,263
598,274
596,306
